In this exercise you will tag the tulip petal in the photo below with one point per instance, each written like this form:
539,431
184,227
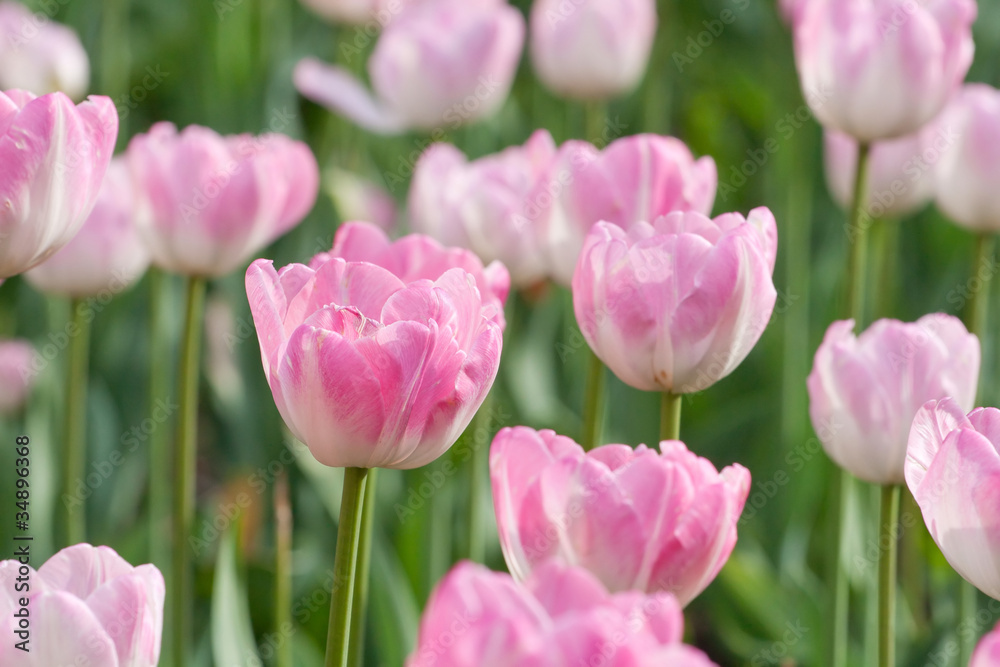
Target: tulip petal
338,90
64,631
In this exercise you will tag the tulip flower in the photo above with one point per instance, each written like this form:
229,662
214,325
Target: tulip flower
206,203
437,65
86,606
356,198
41,56
638,178
491,205
988,651
880,69
357,12
560,618
952,470
864,391
16,374
676,305
57,155
637,519
592,49
107,253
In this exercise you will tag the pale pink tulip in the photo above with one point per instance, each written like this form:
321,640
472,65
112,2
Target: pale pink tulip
55,156
592,49
367,370
491,205
16,374
86,606
953,471
676,305
879,69
637,519
865,390
638,178
988,650
107,254
357,12
436,66
562,617
40,55
206,203
357,198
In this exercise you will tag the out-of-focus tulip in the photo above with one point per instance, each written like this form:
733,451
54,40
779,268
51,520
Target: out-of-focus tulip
107,253
900,171
40,55
437,65
356,198
87,606
791,10
15,374
676,305
367,370
491,205
988,650
637,178
55,156
953,471
206,203
864,390
561,618
879,69
357,12
592,49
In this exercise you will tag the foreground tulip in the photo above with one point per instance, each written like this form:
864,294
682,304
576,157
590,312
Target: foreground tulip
988,651
87,606
206,203
491,205
57,155
562,617
864,391
953,469
437,65
16,374
40,56
637,519
591,49
879,69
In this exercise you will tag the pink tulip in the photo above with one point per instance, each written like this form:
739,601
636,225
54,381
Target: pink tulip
987,651
40,55
55,156
637,519
638,178
206,203
592,49
563,617
356,198
437,65
491,205
791,10
16,374
953,471
86,606
367,370
107,254
357,12
865,390
676,305
879,69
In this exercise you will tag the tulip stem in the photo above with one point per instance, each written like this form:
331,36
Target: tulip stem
887,577
359,607
185,459
345,567
670,416
159,448
979,307
283,568
593,403
858,236
75,456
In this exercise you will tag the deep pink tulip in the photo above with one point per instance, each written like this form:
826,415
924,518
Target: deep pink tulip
676,305
988,650
16,374
207,203
40,55
637,519
437,65
879,69
562,617
107,254
54,158
492,205
357,198
87,606
638,178
864,390
367,370
592,49
953,471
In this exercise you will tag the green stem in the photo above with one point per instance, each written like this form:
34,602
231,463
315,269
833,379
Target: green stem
283,569
345,567
670,416
887,577
596,119
159,447
75,455
185,458
359,608
885,262
593,403
841,602
859,241
968,603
